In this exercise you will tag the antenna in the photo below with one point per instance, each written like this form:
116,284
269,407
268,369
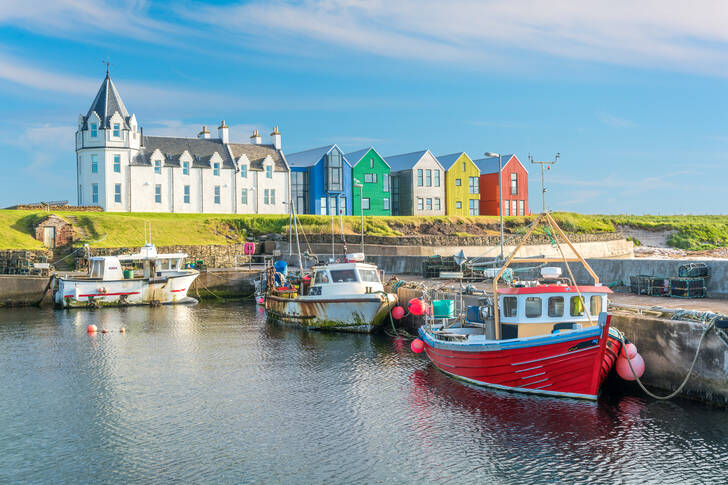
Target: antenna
548,167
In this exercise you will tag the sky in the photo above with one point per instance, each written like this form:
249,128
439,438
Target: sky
631,94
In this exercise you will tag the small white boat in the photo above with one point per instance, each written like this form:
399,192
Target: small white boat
342,297
150,279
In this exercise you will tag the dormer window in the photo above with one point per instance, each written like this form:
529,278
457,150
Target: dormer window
244,171
269,171
216,169
116,130
185,168
157,166
94,130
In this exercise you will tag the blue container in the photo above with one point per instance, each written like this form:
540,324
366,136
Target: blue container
281,267
473,314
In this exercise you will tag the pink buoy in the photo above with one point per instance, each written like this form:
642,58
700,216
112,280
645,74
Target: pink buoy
624,371
417,306
631,350
92,329
417,346
261,300
397,312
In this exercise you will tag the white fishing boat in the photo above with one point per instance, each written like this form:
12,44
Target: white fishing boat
144,278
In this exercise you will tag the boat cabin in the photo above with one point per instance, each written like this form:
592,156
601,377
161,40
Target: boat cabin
335,280
147,263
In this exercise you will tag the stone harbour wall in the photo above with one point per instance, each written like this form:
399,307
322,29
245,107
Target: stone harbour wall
213,256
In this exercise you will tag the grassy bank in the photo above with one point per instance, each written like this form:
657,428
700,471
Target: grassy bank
107,229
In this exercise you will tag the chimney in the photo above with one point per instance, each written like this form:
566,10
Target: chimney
222,132
205,133
255,138
275,138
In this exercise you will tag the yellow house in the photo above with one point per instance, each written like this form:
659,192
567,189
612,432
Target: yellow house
462,185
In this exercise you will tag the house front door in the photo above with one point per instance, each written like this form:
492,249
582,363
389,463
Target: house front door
49,237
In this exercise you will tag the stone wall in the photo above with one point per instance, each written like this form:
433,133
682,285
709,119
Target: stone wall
214,256
56,207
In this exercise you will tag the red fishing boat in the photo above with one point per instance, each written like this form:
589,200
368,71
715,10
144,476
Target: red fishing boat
548,336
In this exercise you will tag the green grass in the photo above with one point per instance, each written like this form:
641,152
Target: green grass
108,229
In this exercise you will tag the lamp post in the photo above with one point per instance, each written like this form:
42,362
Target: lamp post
500,197
361,210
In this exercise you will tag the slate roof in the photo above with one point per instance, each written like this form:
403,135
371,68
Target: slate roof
356,156
490,164
448,160
201,150
404,161
257,153
308,158
106,103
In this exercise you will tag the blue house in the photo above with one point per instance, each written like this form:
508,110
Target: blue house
320,181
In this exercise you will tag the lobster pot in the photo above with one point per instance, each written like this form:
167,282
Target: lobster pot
443,308
693,270
688,288
650,285
432,267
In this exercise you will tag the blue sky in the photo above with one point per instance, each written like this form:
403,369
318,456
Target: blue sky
632,94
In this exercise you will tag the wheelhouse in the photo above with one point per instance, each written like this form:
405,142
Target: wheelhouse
345,278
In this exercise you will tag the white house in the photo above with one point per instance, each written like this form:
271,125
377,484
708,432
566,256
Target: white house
120,169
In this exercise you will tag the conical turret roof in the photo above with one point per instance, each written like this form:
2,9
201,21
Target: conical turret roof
108,102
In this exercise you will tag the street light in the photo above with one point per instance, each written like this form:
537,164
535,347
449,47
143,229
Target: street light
500,197
361,209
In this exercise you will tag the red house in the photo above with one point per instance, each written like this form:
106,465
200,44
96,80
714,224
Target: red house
515,186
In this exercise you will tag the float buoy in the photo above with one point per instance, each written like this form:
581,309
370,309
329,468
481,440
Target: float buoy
261,300
92,329
397,312
630,350
122,330
625,372
417,306
103,330
417,346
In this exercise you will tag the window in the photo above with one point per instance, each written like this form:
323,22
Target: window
94,130
420,203
299,192
157,166
321,277
216,169
473,186
428,179
269,197
217,194
365,204
437,178
556,306
458,205
244,171
463,166
332,206
186,194
507,207
185,168
117,193
369,275
244,196
385,204
334,171
343,275
437,203
323,205
510,306
514,184
342,205
420,176
576,309
95,193
428,204
269,171
521,209
595,305
474,207
117,163
458,182
94,164
158,194
395,196
513,208
533,307
370,178
371,163
385,182
116,130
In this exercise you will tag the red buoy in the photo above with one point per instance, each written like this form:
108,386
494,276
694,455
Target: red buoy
92,329
397,312
417,306
417,346
624,371
630,350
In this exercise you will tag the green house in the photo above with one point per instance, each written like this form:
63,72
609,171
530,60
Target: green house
372,172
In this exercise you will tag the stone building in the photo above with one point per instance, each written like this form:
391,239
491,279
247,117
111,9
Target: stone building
54,231
121,169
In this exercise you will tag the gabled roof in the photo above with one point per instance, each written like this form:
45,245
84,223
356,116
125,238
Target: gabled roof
309,158
201,149
405,161
106,103
355,157
257,153
448,161
490,164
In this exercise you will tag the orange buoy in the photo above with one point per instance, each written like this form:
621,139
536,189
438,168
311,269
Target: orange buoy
122,330
91,329
103,330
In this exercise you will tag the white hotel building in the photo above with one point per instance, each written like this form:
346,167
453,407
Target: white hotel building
120,169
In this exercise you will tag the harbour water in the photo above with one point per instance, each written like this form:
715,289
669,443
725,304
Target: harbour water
212,393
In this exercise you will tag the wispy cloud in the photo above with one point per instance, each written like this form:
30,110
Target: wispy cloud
616,121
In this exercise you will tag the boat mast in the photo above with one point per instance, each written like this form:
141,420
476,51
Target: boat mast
298,244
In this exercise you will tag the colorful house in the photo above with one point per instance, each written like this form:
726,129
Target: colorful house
371,171
418,184
462,185
320,181
514,182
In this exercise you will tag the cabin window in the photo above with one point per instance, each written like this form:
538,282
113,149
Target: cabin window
595,304
510,306
533,307
556,306
343,275
97,269
577,306
321,277
369,276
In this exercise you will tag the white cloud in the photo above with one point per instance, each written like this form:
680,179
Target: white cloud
611,120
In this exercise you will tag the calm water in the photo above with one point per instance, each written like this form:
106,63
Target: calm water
215,394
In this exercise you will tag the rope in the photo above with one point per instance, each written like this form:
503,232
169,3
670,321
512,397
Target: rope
67,255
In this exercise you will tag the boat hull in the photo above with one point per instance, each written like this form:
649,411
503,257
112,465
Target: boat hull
84,293
362,314
572,364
